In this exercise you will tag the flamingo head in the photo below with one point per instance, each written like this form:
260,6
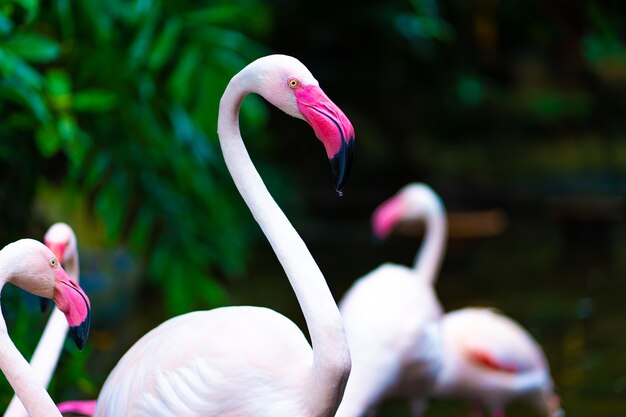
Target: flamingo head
35,268
414,201
289,85
61,240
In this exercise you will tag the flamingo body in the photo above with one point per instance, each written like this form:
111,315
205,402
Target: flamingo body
491,359
179,355
391,314
394,338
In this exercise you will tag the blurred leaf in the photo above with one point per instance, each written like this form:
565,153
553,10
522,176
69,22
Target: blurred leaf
211,292
64,11
165,44
58,82
31,7
48,140
59,89
215,14
231,39
94,100
21,94
470,90
179,83
12,66
67,127
140,46
34,47
6,26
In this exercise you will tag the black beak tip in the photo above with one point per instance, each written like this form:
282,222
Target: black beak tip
80,333
341,164
44,304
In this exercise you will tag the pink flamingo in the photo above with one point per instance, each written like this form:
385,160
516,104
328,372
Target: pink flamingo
33,267
490,360
391,314
59,238
250,361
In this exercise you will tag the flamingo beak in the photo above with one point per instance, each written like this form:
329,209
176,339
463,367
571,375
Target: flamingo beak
387,216
70,298
332,128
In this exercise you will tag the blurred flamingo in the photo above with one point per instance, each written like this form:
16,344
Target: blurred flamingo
391,314
59,238
490,360
33,267
250,361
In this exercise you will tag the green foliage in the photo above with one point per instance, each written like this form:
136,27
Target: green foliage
128,94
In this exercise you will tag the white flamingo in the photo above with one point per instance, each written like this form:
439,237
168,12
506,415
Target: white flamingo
61,240
33,267
391,314
250,361
490,360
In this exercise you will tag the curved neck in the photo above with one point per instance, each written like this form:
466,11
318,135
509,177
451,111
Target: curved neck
331,356
23,380
429,257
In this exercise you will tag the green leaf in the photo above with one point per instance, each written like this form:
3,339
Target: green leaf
12,66
64,10
22,94
94,100
67,127
58,82
141,44
6,26
165,44
59,88
180,82
34,47
31,6
215,15
48,140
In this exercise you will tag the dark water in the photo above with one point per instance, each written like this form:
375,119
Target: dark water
564,282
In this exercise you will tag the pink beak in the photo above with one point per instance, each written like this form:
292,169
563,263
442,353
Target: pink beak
70,298
386,216
332,128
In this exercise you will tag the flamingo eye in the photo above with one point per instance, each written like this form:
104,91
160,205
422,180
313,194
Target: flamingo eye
53,262
293,83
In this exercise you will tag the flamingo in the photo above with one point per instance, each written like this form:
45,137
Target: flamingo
490,359
59,238
33,267
391,314
250,361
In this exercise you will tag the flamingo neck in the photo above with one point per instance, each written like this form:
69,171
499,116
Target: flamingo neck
428,259
331,357
71,266
23,380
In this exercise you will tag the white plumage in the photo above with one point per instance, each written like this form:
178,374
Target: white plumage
391,314
491,360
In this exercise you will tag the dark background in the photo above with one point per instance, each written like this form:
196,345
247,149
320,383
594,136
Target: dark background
107,121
